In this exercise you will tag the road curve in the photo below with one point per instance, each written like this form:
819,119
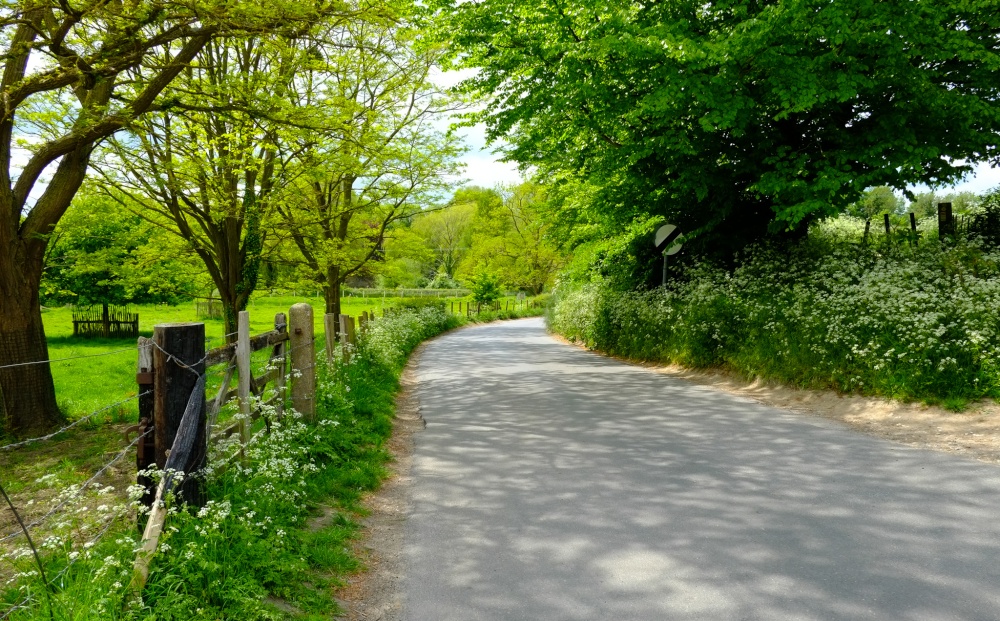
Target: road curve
552,483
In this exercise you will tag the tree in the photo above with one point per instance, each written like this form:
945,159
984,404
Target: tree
447,233
207,166
72,76
510,238
925,204
875,202
735,120
382,164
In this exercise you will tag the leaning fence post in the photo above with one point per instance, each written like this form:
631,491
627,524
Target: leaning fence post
178,364
243,367
330,332
178,378
303,355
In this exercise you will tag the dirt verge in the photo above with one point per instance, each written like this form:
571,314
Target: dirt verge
376,593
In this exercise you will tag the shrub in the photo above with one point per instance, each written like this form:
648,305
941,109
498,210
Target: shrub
486,288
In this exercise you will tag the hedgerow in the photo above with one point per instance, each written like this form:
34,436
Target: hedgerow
890,319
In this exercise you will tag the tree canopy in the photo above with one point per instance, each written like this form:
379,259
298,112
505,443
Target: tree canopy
735,119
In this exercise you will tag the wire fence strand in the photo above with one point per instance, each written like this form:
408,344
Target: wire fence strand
75,423
25,364
82,488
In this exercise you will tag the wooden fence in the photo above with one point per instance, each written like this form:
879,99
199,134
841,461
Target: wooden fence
172,372
471,308
105,321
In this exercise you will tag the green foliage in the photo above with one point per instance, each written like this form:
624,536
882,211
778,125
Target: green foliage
926,204
985,225
100,253
875,202
733,120
902,322
486,288
510,237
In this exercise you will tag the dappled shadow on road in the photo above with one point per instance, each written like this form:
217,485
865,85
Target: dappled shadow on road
556,484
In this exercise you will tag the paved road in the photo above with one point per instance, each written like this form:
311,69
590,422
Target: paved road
553,484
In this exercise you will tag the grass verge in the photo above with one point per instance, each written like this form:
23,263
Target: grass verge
252,552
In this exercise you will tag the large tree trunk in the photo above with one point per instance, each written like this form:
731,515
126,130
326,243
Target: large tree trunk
27,394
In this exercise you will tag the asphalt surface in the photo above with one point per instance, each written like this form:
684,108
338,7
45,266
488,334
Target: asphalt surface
552,483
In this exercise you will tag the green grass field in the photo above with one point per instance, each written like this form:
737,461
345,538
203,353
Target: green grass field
84,385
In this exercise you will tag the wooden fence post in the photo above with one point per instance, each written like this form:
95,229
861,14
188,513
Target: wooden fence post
178,364
946,222
330,333
868,226
913,228
303,355
344,338
145,454
888,239
245,374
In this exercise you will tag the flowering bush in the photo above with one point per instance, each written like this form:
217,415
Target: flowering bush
898,321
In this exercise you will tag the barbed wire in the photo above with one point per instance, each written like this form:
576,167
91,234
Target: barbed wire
81,489
93,541
25,364
189,367
21,606
75,423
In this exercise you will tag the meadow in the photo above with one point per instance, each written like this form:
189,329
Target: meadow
85,384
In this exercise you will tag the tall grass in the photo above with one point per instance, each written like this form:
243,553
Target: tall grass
907,322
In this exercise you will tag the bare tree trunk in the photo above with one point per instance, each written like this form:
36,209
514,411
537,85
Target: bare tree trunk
27,393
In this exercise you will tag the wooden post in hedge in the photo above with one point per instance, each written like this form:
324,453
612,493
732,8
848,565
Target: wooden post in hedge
145,455
352,335
243,367
946,221
345,338
303,356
